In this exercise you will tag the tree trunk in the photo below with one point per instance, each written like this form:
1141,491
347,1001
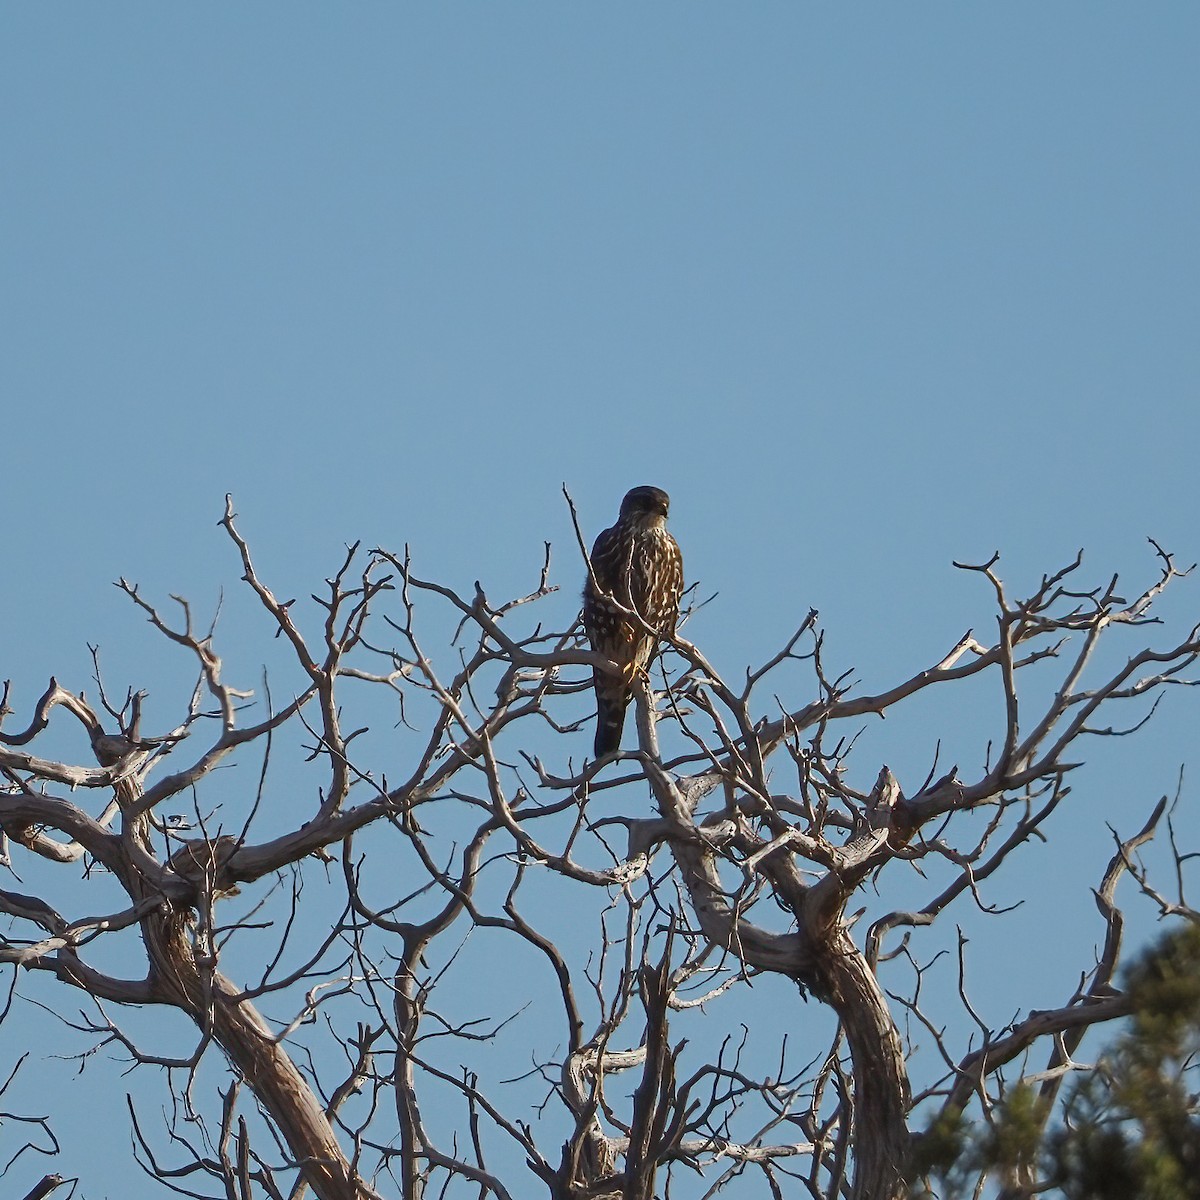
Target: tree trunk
248,1042
212,1001
880,1138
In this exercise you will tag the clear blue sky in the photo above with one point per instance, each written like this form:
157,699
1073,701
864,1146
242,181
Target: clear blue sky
866,289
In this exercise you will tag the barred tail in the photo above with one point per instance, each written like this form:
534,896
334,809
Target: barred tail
611,704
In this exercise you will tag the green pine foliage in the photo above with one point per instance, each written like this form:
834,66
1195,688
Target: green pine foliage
1128,1131
1133,1129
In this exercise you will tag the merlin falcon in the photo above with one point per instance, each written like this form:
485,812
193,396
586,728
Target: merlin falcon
637,564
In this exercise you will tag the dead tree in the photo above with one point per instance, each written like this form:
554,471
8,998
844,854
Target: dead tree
339,930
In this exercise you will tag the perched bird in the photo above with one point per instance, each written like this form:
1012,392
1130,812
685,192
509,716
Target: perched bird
636,563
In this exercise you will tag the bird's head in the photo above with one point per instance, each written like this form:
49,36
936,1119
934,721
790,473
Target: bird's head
645,504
